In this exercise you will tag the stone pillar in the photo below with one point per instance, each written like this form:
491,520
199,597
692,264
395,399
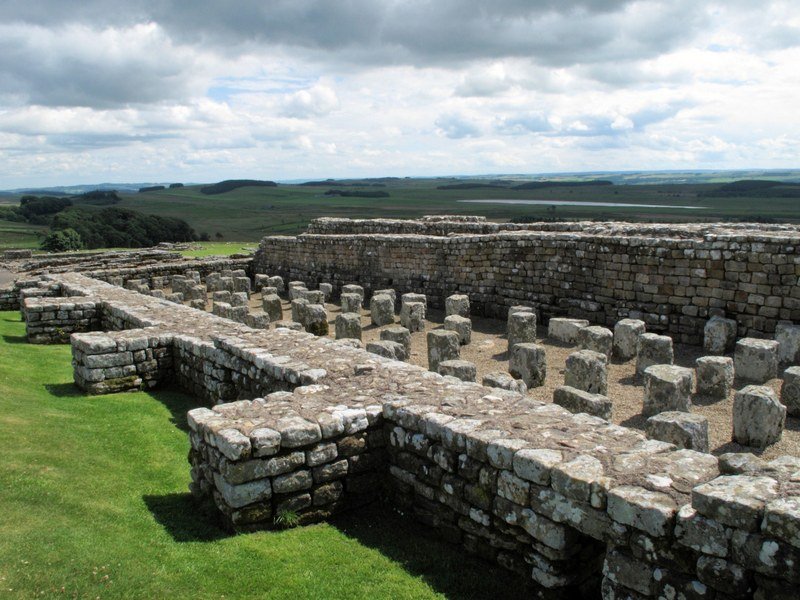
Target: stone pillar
756,360
521,328
442,345
714,376
457,304
350,303
626,337
667,387
596,338
528,362
412,316
788,337
461,369
565,330
399,334
758,416
461,325
790,391
719,335
588,371
381,308
272,306
683,429
653,350
316,319
348,326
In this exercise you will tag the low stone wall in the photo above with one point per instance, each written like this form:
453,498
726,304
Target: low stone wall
53,320
278,462
572,502
674,285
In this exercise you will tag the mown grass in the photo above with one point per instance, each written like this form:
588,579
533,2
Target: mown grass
93,504
202,249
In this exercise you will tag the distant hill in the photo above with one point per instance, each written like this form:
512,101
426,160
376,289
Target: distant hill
232,184
538,185
755,188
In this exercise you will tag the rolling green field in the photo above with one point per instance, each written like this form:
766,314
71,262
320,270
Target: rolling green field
246,214
20,235
94,503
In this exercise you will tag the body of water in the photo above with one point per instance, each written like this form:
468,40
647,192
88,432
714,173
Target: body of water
577,203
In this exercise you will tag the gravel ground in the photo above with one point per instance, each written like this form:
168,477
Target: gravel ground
488,350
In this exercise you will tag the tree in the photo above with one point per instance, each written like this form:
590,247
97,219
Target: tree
218,235
63,240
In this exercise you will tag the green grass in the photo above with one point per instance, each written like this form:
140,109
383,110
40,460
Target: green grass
218,249
20,235
93,504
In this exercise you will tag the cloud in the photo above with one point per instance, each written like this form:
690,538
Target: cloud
456,126
316,101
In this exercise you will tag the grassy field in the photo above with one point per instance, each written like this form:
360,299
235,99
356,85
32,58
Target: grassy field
247,214
94,505
20,235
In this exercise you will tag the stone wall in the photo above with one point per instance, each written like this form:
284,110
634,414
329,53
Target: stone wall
570,501
53,320
674,284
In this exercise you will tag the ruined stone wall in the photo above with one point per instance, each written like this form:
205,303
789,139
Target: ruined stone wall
673,284
570,501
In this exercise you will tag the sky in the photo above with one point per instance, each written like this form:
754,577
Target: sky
163,91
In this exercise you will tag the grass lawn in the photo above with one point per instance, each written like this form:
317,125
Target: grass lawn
219,248
93,504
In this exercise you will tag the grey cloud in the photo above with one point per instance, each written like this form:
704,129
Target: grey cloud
456,126
523,124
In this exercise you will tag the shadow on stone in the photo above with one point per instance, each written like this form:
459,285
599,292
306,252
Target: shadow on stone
185,518
443,566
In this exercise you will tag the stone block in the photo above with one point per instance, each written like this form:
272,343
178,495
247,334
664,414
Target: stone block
521,328
714,376
348,326
790,391
316,319
239,299
504,381
327,291
196,292
683,429
393,350
351,303
461,325
381,308
529,363
735,500
442,345
221,296
258,321
387,292
719,335
457,304
241,284
756,360
580,401
313,296
413,297
198,304
758,416
352,288
276,281
667,388
461,369
399,334
298,310
596,338
588,371
260,281
653,349
626,337
788,337
273,307
565,330
412,316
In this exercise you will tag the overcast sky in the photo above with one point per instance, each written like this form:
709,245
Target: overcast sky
153,90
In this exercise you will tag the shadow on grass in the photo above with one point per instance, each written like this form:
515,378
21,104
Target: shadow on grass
185,518
447,568
64,390
15,339
178,403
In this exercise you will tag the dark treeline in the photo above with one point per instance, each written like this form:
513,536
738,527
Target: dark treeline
357,194
537,185
232,184
754,188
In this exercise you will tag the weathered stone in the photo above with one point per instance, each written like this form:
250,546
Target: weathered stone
714,376
272,306
521,329
316,319
237,496
565,330
239,299
667,388
579,401
719,335
327,291
758,416
756,360
626,337
529,363
276,281
735,500
412,315
298,309
296,432
457,304
504,381
596,338
787,334
653,350
387,292
389,349
221,296
725,576
460,325
352,288
536,465
442,345
683,429
461,369
313,296
574,479
399,334
348,326
790,391
381,309
782,520
651,512
588,371
351,303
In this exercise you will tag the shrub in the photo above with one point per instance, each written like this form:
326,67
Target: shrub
63,240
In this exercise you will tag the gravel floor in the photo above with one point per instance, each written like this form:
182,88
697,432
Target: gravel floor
488,350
